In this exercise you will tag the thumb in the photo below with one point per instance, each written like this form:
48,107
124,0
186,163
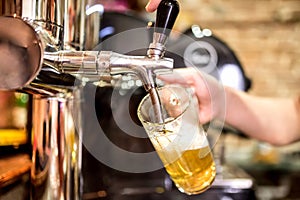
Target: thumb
182,76
152,5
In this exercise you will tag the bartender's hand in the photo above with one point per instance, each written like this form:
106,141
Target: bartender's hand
273,120
209,92
152,5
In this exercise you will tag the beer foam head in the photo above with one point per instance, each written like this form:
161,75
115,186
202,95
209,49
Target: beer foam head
185,137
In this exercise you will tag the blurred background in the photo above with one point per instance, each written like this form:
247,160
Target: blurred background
263,33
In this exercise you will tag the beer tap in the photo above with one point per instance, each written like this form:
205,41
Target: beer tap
105,63
92,64
34,60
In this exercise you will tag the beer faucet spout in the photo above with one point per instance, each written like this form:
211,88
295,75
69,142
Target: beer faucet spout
143,67
108,63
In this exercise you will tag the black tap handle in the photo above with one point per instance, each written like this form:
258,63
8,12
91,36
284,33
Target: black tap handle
167,13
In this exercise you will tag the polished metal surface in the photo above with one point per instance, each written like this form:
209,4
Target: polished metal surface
157,48
43,48
67,14
37,45
96,64
56,156
21,54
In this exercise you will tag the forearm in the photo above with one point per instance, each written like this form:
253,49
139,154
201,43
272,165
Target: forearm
274,120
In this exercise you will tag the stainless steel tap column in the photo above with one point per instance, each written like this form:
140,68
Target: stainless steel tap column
54,15
56,159
42,52
29,29
69,15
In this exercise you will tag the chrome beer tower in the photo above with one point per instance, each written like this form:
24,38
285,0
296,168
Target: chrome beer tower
43,52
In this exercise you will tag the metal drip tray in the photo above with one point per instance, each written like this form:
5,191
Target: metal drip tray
231,183
233,177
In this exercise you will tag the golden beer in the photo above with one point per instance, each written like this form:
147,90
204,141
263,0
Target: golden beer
193,172
180,140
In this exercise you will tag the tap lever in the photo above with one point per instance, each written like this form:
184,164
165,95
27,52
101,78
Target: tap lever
167,13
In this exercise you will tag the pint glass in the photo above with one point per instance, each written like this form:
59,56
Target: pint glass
179,140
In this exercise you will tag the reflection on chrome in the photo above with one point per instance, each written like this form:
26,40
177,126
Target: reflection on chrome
43,47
